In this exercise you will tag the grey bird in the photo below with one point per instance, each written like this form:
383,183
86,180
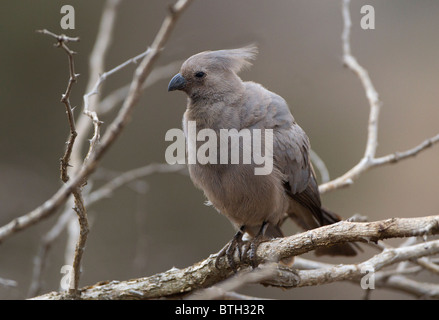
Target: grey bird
255,204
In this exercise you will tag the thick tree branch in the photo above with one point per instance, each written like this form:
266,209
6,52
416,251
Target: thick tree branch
326,273
204,274
345,231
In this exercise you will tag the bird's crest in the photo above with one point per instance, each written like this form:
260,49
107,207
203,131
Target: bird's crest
232,59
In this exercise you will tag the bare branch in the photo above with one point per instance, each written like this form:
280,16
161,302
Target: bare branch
369,160
76,191
320,165
397,156
204,274
65,99
129,176
96,67
61,38
95,90
410,286
112,133
247,276
46,242
96,63
351,62
8,282
364,165
104,191
114,98
176,282
345,231
393,279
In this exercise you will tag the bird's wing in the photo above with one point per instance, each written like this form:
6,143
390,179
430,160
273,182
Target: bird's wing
265,109
291,150
291,147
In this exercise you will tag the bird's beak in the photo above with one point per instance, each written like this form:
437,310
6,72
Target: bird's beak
178,82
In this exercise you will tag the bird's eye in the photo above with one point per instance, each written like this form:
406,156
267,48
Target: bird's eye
199,74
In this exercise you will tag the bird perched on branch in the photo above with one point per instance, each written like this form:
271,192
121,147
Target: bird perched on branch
255,204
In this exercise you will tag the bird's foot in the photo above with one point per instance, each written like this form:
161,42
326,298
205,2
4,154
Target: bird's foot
229,250
246,249
253,245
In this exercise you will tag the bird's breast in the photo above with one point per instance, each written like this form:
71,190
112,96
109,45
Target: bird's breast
239,194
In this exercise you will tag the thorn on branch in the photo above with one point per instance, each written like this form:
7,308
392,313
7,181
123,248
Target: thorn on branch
172,9
64,163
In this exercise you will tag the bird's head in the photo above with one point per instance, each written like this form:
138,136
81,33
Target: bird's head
210,74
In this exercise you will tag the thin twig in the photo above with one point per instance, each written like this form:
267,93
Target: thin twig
364,165
397,156
76,190
351,62
80,244
97,58
96,63
107,189
104,191
369,160
95,90
320,165
425,263
62,38
8,283
46,242
114,98
97,67
65,99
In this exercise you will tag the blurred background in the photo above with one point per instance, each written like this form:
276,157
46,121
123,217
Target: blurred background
138,234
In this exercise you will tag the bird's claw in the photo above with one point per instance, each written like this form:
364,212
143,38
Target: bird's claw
246,250
229,251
